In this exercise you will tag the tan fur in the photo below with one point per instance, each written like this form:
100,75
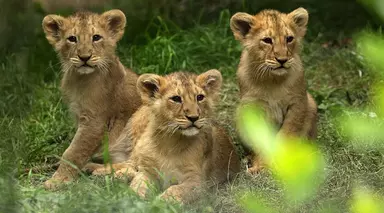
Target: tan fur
278,87
162,139
101,95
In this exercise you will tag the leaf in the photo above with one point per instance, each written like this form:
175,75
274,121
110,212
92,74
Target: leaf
300,167
364,202
255,204
255,131
364,132
375,5
379,98
372,47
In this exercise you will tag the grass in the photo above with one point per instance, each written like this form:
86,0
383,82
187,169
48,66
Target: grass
36,127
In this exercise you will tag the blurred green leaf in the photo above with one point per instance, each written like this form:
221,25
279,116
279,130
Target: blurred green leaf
255,131
379,98
300,166
375,5
331,206
365,131
255,204
365,202
372,47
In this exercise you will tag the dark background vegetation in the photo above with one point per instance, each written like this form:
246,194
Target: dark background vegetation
164,36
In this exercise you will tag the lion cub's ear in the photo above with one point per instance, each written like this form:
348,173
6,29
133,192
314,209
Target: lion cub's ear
149,85
240,24
210,81
114,21
53,26
299,17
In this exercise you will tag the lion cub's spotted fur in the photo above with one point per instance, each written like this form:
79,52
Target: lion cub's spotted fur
270,72
174,133
100,92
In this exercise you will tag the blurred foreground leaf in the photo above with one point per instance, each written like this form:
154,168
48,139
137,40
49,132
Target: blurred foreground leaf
365,202
365,130
298,164
255,130
255,204
372,47
375,5
379,98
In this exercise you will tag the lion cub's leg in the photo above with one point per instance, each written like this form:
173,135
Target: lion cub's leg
141,183
86,141
300,124
256,163
121,170
182,192
126,173
294,122
90,167
115,130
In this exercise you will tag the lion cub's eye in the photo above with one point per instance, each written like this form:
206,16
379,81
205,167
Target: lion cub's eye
96,37
267,40
72,39
289,39
200,97
176,99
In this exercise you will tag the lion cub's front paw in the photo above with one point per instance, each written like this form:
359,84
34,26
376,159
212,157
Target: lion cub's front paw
254,169
102,171
125,174
56,183
256,166
171,197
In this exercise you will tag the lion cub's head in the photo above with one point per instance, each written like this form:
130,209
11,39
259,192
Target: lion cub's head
85,41
272,39
181,102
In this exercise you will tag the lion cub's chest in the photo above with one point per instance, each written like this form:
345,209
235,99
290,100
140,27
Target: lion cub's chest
275,111
87,93
171,167
275,103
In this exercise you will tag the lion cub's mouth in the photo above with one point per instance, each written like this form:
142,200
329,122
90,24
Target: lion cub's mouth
87,65
85,69
280,70
191,130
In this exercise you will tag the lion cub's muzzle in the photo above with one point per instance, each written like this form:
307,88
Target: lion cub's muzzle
84,64
193,127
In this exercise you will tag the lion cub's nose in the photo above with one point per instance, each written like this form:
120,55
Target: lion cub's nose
281,60
192,118
84,58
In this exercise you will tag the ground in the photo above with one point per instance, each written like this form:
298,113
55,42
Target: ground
36,126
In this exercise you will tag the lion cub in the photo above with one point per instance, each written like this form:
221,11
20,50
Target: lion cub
174,138
270,72
100,91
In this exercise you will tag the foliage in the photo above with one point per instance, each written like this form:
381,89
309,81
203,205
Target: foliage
35,126
298,164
